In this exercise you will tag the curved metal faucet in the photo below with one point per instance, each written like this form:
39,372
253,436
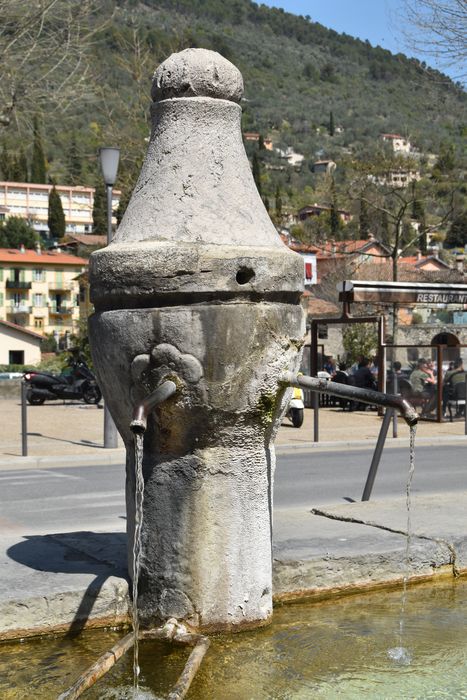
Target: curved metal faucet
353,393
143,408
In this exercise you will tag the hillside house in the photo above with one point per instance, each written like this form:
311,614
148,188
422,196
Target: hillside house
324,167
398,143
39,290
317,209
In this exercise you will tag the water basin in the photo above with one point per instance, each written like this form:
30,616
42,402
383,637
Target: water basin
326,650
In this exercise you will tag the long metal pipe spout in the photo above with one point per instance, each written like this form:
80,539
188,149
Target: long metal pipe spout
353,393
143,408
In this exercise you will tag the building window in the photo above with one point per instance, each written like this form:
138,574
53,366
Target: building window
38,275
16,357
38,300
38,323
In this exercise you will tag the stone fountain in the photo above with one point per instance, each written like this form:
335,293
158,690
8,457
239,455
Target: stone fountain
198,288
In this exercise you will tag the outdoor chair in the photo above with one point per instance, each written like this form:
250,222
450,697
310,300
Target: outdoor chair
407,393
457,401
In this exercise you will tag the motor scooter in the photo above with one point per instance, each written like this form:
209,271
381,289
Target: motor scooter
76,383
296,409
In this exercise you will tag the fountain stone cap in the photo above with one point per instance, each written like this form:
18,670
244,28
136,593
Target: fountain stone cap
195,223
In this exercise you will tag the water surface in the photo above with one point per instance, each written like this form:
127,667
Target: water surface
327,650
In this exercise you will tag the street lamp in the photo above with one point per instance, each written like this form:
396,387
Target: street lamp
109,165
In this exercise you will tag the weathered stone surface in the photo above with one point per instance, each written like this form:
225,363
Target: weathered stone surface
197,287
197,73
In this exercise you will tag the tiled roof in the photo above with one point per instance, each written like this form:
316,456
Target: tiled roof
15,327
85,239
45,257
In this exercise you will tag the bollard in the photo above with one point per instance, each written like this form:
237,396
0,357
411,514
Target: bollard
24,420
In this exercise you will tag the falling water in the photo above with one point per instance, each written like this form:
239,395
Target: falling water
139,496
400,653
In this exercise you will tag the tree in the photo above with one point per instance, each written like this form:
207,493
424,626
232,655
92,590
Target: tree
99,210
16,231
331,124
56,217
438,28
278,203
457,234
38,166
44,54
257,172
74,165
363,221
360,339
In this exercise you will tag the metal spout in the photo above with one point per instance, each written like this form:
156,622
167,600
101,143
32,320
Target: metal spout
353,393
143,408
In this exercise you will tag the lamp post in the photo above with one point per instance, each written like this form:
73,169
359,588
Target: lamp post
109,165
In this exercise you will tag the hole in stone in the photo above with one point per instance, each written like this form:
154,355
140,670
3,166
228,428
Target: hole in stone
244,275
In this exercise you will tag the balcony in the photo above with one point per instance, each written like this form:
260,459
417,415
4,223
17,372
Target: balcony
62,287
21,308
63,309
17,284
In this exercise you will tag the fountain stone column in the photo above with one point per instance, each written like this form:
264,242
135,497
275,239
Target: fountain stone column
198,287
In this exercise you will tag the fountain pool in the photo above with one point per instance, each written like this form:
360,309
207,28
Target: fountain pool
338,648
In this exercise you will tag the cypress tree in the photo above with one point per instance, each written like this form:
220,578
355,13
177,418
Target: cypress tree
99,211
261,145
331,124
74,165
363,220
278,202
257,172
23,168
56,217
385,228
334,219
38,166
5,163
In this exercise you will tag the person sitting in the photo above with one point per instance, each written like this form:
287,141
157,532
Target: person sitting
342,377
453,376
423,386
364,379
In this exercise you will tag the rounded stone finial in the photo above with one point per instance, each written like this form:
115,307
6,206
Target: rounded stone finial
197,73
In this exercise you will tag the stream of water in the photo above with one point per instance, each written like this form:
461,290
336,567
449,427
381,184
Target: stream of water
400,654
139,498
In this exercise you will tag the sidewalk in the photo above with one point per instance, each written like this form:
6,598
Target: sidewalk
77,429
66,581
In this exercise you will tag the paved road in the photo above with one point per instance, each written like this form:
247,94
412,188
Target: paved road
92,497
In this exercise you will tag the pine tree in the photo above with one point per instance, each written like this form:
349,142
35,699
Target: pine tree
331,124
38,166
99,210
363,221
257,172
56,217
74,165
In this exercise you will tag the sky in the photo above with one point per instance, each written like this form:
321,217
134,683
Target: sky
375,20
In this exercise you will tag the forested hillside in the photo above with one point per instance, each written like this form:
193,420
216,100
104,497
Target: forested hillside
308,88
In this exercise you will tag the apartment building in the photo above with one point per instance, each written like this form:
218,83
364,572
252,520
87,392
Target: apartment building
39,290
31,202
